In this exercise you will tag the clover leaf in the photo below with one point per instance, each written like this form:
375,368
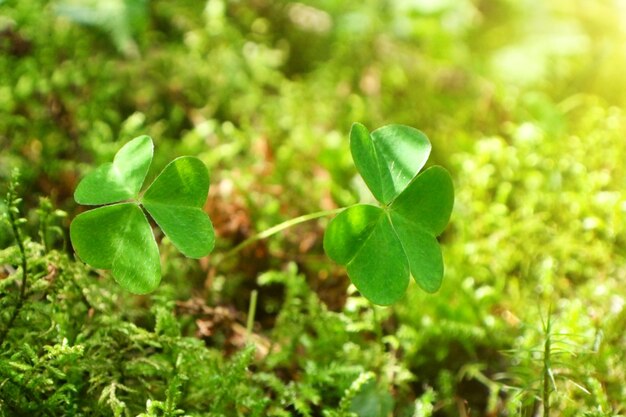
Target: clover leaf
119,237
383,246
120,180
175,200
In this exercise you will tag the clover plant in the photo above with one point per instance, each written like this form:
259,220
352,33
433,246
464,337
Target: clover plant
382,246
118,235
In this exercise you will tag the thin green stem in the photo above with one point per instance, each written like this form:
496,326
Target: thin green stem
279,228
546,379
547,371
378,329
20,244
251,314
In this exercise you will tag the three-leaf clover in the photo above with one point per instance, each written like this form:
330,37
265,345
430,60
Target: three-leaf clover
119,237
382,247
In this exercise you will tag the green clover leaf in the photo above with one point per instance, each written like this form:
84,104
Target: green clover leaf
119,237
382,247
175,200
119,180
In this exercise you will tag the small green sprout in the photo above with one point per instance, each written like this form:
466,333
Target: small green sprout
118,236
382,247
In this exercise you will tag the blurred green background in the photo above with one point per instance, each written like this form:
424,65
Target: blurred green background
523,101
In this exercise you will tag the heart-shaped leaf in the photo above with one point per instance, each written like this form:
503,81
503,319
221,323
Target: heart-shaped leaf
382,247
389,158
119,237
120,180
175,201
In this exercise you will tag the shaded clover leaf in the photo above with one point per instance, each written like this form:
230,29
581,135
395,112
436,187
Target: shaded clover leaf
383,246
118,236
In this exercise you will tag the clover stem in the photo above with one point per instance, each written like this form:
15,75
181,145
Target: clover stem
251,314
378,327
279,228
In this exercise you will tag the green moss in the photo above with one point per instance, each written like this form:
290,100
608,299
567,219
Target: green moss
523,102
